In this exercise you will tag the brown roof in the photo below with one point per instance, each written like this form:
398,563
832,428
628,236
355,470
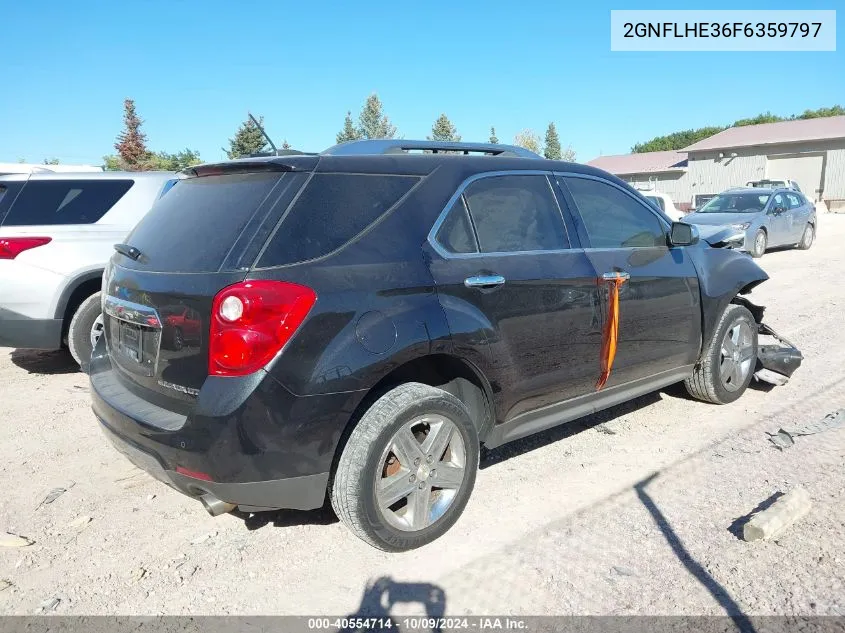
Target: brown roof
641,163
771,133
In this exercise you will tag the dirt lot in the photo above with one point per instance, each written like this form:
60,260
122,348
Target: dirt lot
632,511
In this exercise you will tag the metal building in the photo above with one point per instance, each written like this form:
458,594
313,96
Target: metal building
809,151
659,171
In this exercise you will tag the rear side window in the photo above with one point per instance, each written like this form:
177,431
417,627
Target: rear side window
455,234
331,211
50,202
515,214
612,218
193,227
794,201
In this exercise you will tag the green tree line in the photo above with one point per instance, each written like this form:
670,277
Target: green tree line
685,138
371,123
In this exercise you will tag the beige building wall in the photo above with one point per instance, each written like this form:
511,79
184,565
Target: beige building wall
709,174
673,184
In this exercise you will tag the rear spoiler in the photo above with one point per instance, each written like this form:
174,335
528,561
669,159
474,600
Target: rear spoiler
243,166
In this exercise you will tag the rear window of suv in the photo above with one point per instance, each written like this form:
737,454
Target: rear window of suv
52,202
331,211
194,227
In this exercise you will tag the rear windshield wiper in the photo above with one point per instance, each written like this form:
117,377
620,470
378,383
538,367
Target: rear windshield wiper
129,251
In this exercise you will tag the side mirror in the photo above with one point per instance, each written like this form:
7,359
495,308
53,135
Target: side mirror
778,210
683,234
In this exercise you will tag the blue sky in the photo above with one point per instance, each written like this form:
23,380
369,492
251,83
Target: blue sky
194,69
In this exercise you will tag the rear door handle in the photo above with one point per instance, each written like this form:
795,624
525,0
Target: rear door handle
617,275
484,281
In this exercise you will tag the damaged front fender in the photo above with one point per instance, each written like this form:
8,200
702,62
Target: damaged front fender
723,274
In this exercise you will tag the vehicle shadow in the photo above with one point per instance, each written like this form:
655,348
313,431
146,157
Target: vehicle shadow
696,569
381,595
47,362
564,431
286,518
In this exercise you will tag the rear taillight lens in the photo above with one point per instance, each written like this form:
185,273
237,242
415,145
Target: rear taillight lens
252,321
11,247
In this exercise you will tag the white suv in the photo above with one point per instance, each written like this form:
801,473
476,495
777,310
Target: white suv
57,231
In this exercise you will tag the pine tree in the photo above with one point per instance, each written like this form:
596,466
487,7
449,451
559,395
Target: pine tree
552,149
248,140
443,130
131,143
348,133
528,139
373,123
493,138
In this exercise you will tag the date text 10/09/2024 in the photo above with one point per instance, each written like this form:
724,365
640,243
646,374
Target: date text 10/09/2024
721,29
417,623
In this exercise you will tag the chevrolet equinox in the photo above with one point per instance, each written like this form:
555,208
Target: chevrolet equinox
365,319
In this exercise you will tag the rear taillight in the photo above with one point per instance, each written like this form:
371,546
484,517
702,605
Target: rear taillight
252,321
11,247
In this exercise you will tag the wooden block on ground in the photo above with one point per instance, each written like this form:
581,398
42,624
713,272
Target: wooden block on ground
778,517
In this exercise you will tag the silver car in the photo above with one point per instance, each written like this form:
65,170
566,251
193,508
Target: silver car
768,217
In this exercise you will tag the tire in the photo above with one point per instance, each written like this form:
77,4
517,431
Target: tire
372,452
761,241
707,382
82,331
808,237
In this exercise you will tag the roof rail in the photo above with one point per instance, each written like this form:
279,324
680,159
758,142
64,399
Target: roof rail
402,146
280,152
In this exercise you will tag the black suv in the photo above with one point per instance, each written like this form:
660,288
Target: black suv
369,317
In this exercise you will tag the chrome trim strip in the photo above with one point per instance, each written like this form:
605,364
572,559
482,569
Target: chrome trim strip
132,312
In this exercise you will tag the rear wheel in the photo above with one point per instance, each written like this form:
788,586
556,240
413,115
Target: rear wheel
761,241
807,238
726,369
86,327
408,469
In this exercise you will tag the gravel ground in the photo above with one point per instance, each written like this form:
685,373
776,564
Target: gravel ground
632,511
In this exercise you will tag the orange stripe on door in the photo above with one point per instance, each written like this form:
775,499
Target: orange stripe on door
610,334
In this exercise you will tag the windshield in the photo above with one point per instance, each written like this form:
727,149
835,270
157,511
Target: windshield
736,203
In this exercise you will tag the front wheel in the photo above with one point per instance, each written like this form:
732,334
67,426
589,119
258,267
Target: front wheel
86,328
727,366
761,241
408,469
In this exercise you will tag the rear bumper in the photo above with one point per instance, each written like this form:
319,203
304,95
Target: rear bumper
298,493
18,330
246,441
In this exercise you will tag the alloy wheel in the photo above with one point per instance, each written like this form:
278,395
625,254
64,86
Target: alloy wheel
421,471
97,330
760,243
809,236
737,357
